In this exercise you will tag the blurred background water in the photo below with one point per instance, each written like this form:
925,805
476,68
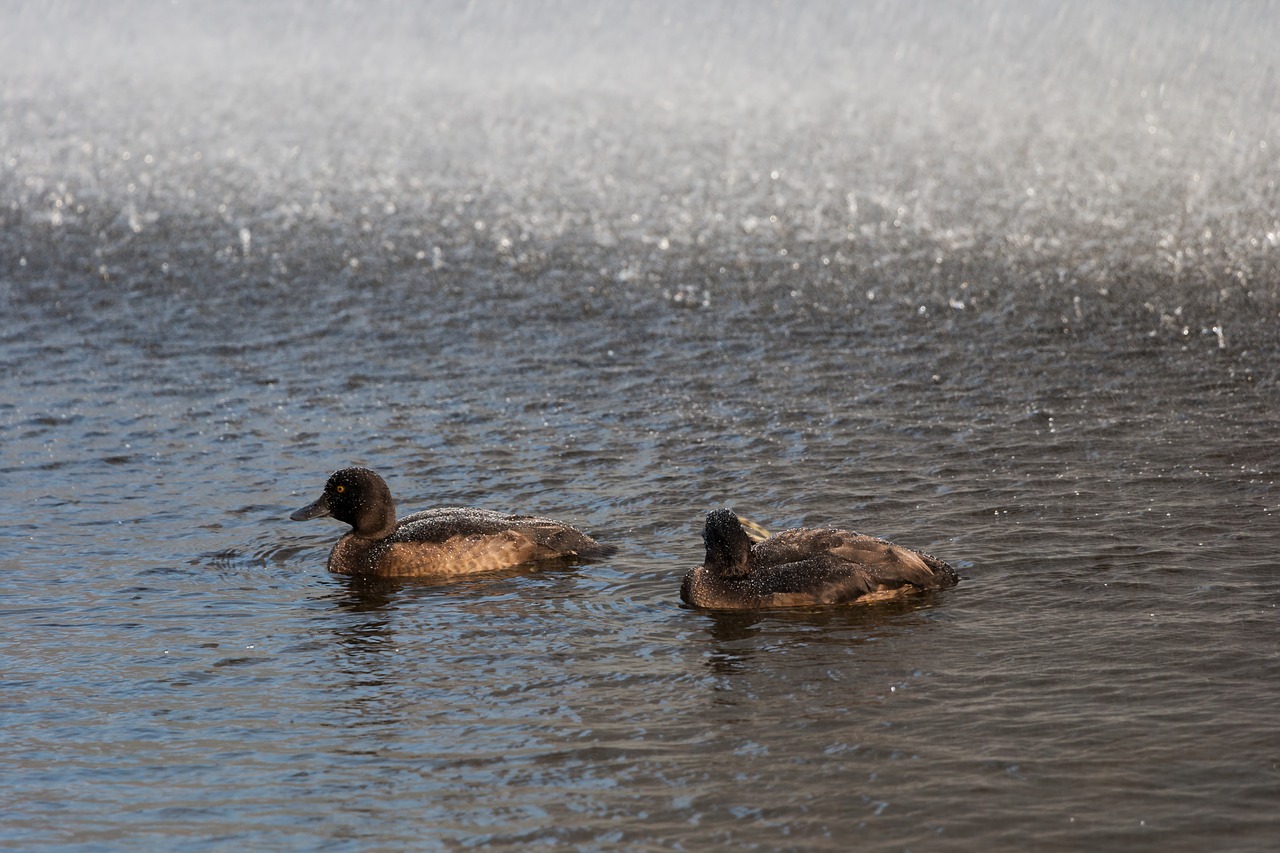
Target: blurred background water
996,280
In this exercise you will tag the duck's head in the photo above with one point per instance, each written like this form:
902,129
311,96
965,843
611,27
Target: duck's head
728,546
359,497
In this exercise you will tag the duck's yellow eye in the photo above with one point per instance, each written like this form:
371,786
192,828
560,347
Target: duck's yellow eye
339,489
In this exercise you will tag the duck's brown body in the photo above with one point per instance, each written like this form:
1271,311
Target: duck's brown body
459,541
436,542
803,567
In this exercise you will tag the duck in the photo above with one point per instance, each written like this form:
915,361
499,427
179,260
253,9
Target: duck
436,542
804,567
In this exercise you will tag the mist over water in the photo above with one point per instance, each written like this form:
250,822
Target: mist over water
995,280
1090,163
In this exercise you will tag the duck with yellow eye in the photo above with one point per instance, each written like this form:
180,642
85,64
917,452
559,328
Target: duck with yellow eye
803,567
435,542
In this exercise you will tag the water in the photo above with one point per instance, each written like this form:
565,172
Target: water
998,282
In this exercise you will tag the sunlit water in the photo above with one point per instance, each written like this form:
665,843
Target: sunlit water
998,282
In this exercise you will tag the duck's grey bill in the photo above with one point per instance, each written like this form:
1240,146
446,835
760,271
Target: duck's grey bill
319,509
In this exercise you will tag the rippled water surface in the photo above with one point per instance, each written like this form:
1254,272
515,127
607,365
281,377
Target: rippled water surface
996,281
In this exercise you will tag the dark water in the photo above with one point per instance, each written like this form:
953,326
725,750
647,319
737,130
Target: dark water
998,281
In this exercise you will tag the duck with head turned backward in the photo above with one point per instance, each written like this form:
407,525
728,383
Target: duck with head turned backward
804,567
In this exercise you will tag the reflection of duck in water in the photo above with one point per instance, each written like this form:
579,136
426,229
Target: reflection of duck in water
804,566
435,542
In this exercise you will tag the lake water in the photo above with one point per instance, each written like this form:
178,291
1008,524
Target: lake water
996,281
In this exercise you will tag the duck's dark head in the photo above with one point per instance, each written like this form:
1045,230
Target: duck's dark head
359,497
728,546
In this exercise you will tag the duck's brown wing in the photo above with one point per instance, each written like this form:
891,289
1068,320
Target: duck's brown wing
797,544
824,579
445,522
894,565
887,564
546,537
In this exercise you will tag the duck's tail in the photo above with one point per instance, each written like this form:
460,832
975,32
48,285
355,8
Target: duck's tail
571,542
943,573
595,550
